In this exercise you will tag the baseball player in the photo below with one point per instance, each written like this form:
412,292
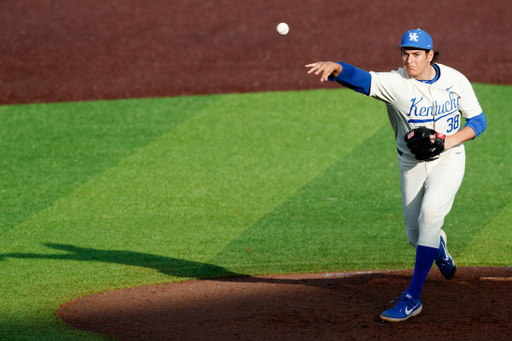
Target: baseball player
424,101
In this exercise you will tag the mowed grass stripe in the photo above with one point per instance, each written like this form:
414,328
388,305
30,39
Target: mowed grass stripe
349,217
217,172
493,246
163,212
48,150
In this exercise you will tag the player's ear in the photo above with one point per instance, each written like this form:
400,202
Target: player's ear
430,55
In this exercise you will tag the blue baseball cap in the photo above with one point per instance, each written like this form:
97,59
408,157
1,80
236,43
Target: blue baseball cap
417,39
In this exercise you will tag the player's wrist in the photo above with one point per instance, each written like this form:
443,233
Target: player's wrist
337,70
459,137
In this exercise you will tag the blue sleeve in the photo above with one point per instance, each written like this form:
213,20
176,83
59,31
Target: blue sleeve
477,123
354,78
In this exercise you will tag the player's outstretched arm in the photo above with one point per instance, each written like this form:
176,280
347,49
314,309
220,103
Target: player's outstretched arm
325,68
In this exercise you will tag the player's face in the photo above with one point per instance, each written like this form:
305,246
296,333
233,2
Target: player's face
417,63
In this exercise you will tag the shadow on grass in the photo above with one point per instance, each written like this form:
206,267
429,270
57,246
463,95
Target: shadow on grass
183,268
166,265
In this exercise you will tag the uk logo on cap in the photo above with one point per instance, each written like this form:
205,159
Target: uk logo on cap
417,39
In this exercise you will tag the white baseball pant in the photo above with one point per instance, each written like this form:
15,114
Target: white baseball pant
428,191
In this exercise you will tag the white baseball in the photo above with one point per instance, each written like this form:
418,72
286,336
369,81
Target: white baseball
283,28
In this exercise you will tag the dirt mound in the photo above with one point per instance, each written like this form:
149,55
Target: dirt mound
475,305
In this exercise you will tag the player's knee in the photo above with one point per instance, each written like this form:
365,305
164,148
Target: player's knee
428,220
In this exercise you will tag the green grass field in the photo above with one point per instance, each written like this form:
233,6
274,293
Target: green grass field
103,195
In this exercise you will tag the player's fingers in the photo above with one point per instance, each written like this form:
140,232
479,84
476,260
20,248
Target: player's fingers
326,74
321,68
313,66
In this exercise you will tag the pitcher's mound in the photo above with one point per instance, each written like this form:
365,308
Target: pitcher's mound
475,305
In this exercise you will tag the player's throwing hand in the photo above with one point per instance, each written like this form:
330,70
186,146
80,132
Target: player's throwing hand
325,68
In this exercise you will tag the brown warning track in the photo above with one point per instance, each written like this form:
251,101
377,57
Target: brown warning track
58,50
334,306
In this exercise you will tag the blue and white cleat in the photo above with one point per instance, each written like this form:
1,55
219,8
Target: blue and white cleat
407,307
444,261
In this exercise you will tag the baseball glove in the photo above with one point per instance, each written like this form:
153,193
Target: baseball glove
425,143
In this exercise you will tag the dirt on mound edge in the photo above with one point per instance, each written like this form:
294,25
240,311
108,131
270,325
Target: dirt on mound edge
475,305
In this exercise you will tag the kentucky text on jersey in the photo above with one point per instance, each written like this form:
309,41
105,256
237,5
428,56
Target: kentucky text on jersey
444,109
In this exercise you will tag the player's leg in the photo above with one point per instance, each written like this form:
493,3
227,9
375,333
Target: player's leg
412,178
443,182
442,179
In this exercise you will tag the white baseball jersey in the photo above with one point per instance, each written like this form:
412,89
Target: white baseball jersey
412,103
